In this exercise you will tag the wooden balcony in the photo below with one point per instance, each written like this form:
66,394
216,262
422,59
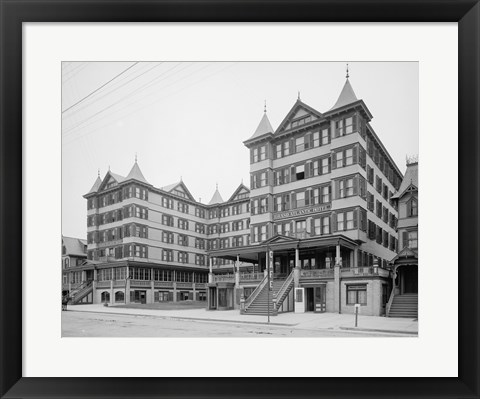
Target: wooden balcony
246,277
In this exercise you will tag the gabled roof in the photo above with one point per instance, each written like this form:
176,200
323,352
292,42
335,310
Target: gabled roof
409,180
136,174
279,238
74,246
180,186
95,186
347,96
264,127
240,189
298,109
405,253
107,177
217,198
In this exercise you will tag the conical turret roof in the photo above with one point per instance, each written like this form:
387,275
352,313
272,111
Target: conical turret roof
264,127
216,199
136,174
347,96
95,186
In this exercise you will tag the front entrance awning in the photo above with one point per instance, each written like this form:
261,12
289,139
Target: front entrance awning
251,253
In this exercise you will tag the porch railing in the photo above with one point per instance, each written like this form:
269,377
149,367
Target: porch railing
140,283
224,278
251,276
103,284
390,301
284,290
364,271
316,273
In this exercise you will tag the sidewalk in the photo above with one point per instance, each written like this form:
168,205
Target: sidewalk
307,321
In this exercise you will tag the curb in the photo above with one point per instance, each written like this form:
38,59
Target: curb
413,333
188,318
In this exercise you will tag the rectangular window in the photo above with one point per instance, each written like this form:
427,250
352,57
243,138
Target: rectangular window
325,165
299,144
183,257
349,157
316,139
167,255
340,222
325,136
300,172
326,194
326,225
356,294
262,153
182,240
339,157
278,151
300,199
413,239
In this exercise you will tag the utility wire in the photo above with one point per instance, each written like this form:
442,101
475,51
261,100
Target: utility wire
93,92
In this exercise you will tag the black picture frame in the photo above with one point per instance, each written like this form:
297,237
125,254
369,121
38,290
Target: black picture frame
15,12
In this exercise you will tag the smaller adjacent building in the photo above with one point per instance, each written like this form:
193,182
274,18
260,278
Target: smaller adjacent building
74,257
404,297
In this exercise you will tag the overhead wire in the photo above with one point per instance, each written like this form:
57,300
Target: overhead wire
102,86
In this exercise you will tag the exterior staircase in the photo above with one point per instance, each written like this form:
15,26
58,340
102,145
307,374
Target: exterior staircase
260,304
82,291
405,305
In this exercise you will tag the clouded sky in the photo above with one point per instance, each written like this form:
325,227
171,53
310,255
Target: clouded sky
189,119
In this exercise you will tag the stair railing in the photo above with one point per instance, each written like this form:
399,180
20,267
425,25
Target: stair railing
390,301
82,289
283,289
256,292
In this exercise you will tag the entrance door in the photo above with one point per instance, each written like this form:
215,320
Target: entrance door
143,297
212,298
320,299
89,275
310,301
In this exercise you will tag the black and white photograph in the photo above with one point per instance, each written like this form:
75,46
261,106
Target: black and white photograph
239,199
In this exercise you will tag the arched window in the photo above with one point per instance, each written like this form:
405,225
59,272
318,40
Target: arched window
105,296
119,296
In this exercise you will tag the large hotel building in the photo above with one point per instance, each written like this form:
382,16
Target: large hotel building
322,208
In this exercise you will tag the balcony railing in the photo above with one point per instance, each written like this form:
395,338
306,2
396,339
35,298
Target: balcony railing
184,285
163,284
140,283
316,273
103,284
364,271
251,276
224,278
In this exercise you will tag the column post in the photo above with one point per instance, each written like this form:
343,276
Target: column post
210,273
296,270
337,286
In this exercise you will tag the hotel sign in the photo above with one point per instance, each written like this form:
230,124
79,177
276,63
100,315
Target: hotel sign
301,212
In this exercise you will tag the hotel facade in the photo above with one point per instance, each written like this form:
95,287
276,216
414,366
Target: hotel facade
321,210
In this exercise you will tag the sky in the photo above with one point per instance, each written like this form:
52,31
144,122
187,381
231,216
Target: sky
188,120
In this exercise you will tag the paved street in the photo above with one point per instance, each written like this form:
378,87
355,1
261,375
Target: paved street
91,324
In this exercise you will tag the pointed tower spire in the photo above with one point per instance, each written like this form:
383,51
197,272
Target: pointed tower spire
136,174
96,185
347,95
135,157
264,127
347,72
217,198
265,107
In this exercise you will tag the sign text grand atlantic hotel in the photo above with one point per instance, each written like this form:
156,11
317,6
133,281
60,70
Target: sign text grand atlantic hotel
319,204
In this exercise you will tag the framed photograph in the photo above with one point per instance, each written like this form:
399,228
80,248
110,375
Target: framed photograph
227,196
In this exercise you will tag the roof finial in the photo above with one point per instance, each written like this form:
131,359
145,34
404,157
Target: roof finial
109,168
217,185
299,95
347,72
135,157
265,107
98,172
181,178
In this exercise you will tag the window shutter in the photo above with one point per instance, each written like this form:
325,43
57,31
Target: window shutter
354,122
404,239
337,189
292,146
294,200
312,227
251,155
293,176
251,182
333,222
308,141
329,164
307,197
355,219
355,185
307,169
287,202
355,154
334,161
275,178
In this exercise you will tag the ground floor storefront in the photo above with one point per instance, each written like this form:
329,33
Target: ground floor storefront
127,282
320,275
